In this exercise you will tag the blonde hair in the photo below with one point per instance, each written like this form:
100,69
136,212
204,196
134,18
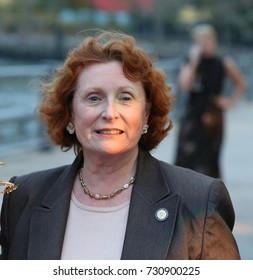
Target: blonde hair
203,30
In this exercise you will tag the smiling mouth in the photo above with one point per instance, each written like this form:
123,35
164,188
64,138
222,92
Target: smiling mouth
110,131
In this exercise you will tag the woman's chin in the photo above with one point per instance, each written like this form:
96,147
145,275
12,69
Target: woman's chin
113,150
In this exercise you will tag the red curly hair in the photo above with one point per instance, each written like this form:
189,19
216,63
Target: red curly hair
56,104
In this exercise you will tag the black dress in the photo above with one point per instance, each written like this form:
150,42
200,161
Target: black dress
201,131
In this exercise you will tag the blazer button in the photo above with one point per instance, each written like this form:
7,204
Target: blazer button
161,214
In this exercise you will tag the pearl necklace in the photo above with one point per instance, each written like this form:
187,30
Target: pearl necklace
107,196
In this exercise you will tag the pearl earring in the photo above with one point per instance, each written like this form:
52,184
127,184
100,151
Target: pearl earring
70,128
144,129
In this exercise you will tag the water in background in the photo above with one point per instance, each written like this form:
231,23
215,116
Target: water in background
19,96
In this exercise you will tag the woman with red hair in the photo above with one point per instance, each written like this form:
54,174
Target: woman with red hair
115,201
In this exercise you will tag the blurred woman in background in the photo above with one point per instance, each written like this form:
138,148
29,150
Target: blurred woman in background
202,77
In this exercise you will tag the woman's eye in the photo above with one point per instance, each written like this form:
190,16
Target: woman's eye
93,99
125,97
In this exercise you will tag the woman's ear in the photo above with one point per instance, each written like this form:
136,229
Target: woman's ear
147,111
72,115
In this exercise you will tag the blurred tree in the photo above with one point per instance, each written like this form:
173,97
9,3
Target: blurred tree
46,5
232,18
80,3
161,20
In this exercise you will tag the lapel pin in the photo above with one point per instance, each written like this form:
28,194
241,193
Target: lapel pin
161,214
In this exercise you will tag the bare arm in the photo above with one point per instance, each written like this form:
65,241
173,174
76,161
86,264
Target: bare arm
239,85
188,71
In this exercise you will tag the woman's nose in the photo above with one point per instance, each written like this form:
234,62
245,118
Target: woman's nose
110,111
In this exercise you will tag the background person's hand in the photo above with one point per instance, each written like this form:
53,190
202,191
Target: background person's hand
195,54
225,102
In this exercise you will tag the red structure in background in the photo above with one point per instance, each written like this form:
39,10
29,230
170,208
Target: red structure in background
124,5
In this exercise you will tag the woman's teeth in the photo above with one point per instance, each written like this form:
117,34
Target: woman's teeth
110,132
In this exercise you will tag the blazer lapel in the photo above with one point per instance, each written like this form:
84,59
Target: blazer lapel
48,222
147,236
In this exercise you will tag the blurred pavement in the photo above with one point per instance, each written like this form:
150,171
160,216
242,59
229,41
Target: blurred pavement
237,167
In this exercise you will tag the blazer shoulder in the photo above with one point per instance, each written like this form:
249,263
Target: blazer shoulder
184,177
193,186
47,173
33,182
177,179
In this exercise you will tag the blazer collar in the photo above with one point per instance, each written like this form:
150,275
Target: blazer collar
147,237
46,242
63,185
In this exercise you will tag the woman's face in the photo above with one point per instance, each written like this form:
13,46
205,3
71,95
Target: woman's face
207,44
109,110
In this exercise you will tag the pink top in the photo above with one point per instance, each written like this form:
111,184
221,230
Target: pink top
94,233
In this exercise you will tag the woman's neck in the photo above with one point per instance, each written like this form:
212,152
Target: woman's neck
105,174
108,165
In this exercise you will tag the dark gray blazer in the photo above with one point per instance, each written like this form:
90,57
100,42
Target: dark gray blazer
199,223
